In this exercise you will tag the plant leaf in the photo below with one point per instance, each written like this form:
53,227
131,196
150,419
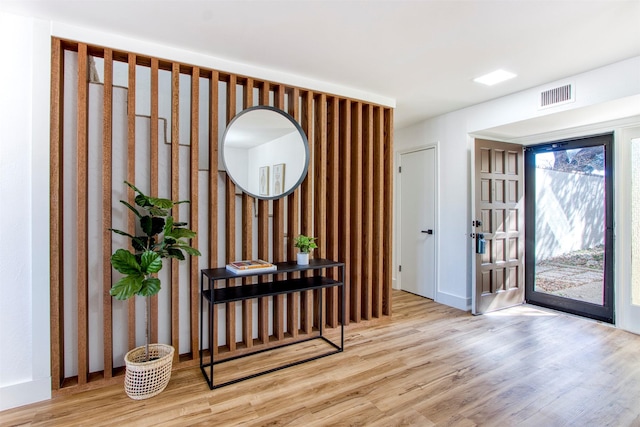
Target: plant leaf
142,200
121,232
152,225
125,262
188,249
156,211
157,225
151,262
150,287
168,225
181,233
145,223
161,203
175,253
133,187
127,286
134,210
140,243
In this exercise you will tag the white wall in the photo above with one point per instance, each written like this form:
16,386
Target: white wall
453,134
24,218
561,227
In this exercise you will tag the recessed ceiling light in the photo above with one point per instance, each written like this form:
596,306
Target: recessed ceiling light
494,77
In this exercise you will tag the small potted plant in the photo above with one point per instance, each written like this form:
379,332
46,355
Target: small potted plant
306,244
148,368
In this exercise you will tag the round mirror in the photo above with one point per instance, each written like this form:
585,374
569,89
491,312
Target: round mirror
265,152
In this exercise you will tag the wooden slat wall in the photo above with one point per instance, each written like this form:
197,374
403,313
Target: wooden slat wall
107,141
153,167
193,207
344,201
82,214
56,215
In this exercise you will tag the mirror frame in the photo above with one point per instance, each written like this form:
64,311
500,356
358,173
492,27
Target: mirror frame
300,131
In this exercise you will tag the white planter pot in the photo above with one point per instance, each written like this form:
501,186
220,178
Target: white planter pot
303,259
146,379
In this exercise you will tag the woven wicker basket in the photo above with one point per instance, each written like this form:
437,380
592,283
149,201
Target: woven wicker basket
146,379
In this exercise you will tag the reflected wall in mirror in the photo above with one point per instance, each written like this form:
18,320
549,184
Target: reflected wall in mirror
261,141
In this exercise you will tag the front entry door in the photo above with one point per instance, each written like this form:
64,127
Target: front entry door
570,242
417,184
499,224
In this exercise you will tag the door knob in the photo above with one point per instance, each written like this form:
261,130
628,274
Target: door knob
427,231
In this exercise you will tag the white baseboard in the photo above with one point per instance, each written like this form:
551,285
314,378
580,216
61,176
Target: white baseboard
461,303
25,393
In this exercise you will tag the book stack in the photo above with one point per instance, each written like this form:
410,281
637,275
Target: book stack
250,266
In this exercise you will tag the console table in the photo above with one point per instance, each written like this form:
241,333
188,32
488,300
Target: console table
211,296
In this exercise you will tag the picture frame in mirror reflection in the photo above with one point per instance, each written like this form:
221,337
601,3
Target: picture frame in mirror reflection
263,177
278,179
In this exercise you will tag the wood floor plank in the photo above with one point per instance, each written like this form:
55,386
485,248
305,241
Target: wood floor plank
427,365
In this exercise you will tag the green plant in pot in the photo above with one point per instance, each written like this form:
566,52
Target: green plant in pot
306,244
158,237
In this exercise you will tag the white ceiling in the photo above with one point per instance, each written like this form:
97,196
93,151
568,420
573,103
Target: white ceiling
424,54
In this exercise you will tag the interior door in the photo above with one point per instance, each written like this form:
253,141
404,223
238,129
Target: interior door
417,182
498,229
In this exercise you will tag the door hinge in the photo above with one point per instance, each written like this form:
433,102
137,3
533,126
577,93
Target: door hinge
399,268
399,169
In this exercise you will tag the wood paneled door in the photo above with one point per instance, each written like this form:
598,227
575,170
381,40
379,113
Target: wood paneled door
499,210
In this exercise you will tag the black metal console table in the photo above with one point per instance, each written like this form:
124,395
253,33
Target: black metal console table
213,296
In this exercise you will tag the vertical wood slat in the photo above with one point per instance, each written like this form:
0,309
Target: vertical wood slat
175,195
356,211
388,218
378,211
56,214
193,206
263,242
213,188
333,203
154,176
278,238
345,203
320,190
107,141
247,236
306,208
82,214
131,177
230,223
293,227
367,212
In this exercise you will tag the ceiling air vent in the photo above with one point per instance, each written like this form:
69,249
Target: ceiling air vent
557,96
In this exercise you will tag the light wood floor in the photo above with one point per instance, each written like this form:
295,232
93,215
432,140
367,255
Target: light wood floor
427,365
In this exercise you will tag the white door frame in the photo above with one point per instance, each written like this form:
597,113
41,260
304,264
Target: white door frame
398,192
627,314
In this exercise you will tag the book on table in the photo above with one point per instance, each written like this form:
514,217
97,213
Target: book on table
250,266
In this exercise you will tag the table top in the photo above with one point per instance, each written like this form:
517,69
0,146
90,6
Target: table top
222,273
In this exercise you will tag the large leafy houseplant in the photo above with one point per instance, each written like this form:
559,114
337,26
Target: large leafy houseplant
157,237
